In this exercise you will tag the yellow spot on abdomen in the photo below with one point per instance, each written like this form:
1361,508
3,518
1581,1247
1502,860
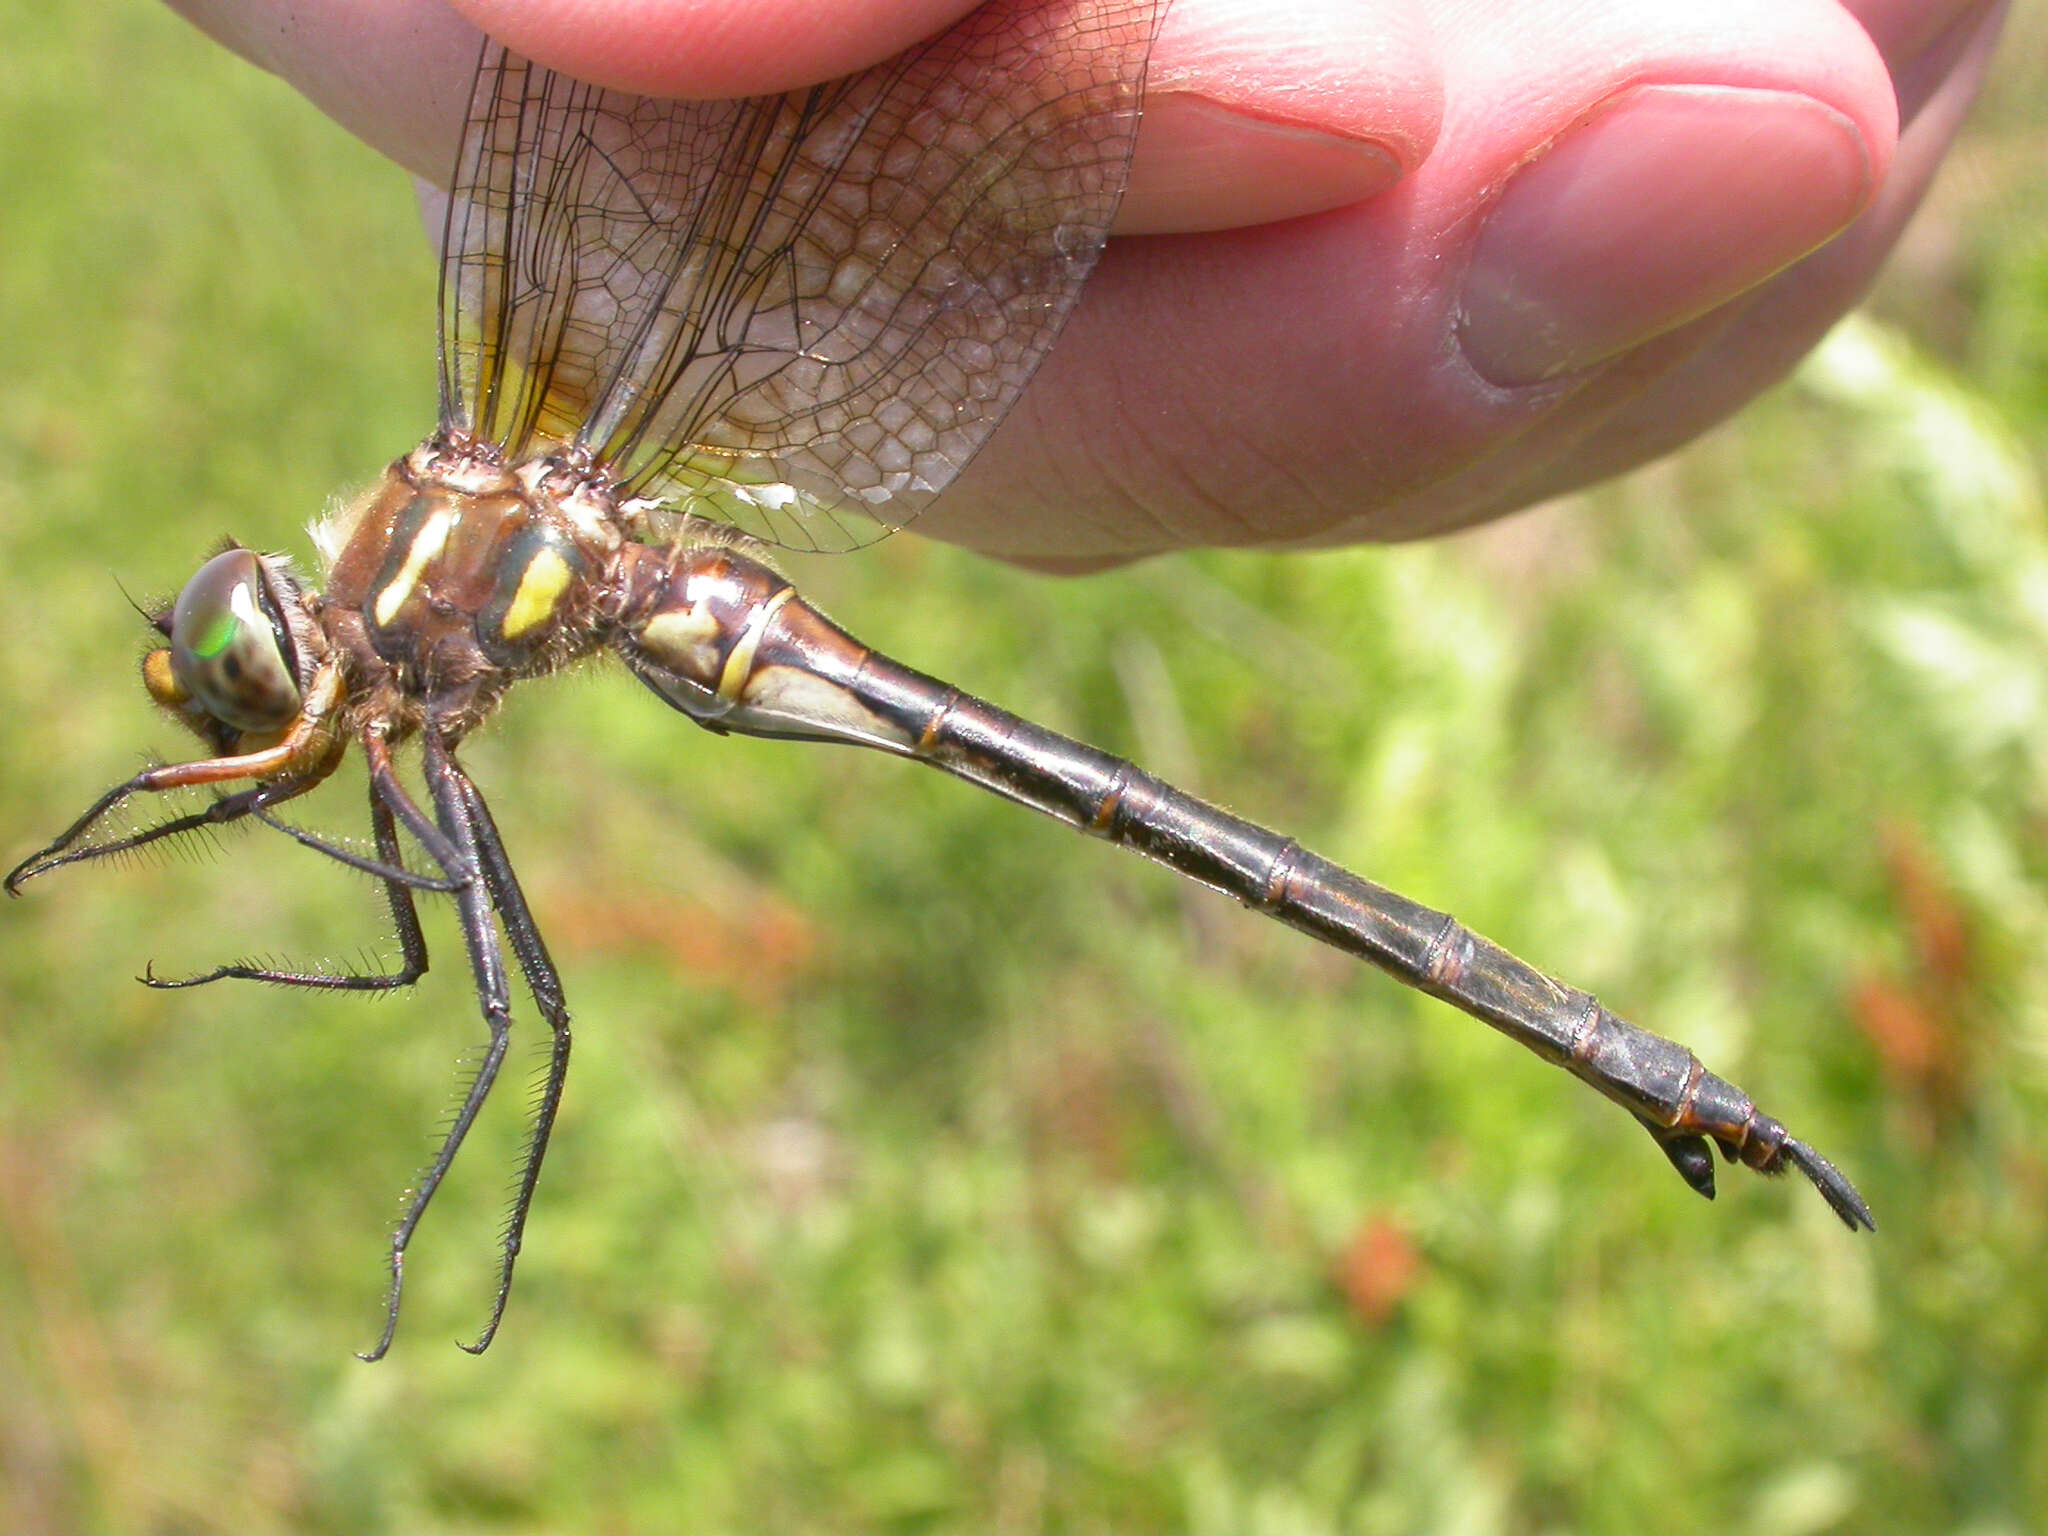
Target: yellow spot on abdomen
540,587
739,665
673,636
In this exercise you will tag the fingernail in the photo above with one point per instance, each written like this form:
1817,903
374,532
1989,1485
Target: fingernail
1669,202
1202,165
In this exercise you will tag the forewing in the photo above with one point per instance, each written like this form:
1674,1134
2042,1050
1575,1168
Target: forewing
797,314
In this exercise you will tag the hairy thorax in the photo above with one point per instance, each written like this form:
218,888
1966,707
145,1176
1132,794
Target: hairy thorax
455,576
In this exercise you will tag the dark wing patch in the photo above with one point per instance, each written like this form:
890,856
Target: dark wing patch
799,314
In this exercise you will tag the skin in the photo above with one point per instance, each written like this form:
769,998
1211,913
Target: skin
1407,266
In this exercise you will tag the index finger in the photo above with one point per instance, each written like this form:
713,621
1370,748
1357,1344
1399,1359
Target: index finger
1252,115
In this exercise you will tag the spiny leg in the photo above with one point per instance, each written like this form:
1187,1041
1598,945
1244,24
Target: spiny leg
222,812
457,861
399,883
387,867
304,757
453,847
542,980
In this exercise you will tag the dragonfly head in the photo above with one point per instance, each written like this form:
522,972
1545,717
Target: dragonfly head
237,664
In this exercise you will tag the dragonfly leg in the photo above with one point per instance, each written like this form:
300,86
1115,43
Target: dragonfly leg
452,845
545,983
388,866
303,758
399,883
222,812
457,862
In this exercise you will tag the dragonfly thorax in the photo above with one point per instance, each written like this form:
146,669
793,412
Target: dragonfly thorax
456,576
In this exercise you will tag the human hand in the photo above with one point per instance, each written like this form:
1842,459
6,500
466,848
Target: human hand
1415,264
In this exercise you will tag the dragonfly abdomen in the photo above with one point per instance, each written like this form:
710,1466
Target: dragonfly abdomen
733,645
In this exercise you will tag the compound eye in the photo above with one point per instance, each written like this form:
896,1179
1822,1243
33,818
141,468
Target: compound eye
228,646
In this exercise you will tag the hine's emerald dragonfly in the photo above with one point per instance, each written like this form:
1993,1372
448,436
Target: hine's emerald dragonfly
673,334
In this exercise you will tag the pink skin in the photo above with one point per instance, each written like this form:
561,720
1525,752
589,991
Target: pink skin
1414,264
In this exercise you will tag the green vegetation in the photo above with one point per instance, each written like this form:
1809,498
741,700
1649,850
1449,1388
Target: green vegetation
928,1169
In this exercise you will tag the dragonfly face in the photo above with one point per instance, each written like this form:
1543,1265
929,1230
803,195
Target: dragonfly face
668,330
236,662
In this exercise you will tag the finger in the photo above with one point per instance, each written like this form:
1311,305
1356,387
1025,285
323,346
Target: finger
395,73
1725,360
1256,113
710,48
1253,114
1274,385
1906,30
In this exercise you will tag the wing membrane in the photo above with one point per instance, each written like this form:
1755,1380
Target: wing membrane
797,314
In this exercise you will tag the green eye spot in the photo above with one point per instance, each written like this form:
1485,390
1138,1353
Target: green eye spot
217,636
225,654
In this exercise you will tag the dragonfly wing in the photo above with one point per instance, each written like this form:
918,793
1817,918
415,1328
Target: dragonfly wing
797,314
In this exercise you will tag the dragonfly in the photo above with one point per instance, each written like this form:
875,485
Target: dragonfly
674,336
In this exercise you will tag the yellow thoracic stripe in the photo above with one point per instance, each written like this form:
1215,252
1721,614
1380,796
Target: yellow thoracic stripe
427,543
540,587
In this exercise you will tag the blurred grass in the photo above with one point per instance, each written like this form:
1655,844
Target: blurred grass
928,1169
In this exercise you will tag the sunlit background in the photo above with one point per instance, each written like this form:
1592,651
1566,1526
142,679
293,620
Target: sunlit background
927,1168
